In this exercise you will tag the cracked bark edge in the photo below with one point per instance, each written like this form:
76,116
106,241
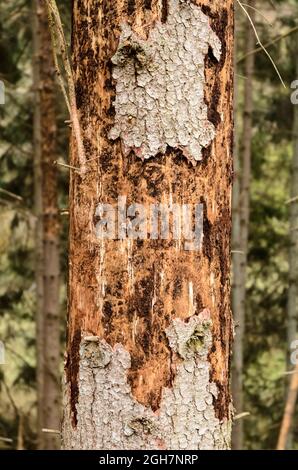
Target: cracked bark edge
160,85
115,420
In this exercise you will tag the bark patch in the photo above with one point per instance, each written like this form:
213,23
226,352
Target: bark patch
110,417
160,85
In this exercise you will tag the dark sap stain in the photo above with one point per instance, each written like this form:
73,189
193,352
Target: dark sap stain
131,7
72,369
164,11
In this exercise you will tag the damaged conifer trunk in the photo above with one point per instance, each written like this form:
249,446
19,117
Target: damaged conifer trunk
150,329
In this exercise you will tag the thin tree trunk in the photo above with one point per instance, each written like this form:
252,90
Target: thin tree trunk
39,258
236,286
289,411
149,331
240,235
48,231
51,314
20,440
293,250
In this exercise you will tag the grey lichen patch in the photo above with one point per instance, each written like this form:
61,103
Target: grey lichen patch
160,85
109,417
97,353
191,338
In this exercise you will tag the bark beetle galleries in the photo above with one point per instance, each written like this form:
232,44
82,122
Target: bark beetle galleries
129,293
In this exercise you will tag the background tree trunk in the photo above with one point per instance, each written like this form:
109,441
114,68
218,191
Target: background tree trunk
237,278
48,334
39,257
149,331
293,250
289,412
240,233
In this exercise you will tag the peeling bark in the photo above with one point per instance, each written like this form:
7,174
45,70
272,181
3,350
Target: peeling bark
160,85
186,417
134,304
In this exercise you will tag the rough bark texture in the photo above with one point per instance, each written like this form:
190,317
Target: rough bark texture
150,327
241,210
48,335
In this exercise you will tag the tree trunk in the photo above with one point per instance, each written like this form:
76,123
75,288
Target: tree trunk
38,209
48,338
236,284
289,412
293,250
241,209
149,328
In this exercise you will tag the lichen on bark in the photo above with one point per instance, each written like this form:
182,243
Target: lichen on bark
115,420
160,85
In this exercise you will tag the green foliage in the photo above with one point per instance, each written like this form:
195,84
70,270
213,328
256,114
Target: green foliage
264,385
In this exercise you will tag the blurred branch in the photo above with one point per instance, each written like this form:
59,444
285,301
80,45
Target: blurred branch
9,193
19,148
290,372
268,44
260,42
6,439
19,356
64,165
241,415
246,5
10,397
60,46
293,199
51,431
